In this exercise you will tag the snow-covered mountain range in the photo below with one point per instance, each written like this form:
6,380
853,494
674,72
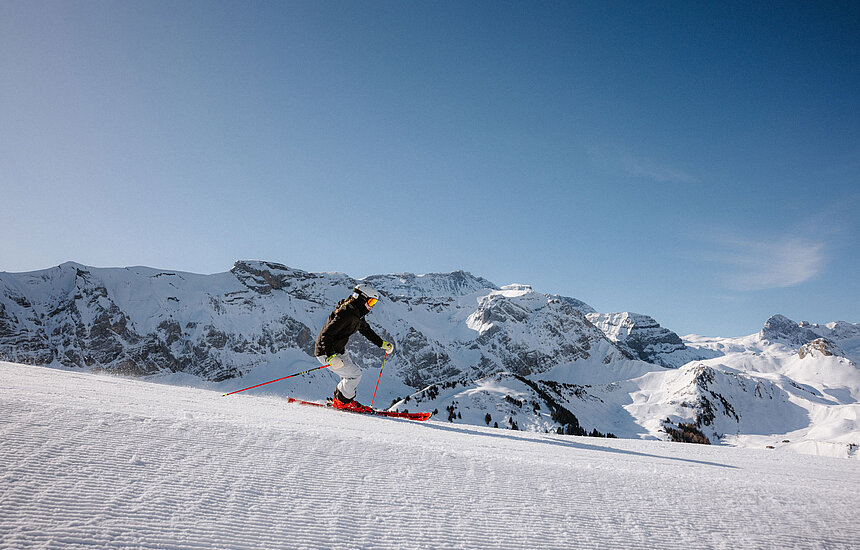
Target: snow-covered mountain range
475,352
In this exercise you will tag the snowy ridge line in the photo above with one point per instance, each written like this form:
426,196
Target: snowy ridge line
617,373
91,460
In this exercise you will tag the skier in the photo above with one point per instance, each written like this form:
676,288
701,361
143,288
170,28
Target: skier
343,322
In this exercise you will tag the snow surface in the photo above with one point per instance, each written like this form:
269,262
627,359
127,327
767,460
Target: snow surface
95,461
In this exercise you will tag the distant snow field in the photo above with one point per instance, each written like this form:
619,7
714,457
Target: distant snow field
91,461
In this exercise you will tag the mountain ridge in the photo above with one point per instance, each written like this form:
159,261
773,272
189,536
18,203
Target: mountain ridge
613,372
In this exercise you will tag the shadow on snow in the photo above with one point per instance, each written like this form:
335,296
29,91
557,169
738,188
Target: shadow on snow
569,444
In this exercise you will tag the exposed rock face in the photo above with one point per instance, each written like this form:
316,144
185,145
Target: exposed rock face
820,347
716,401
524,332
432,285
142,321
846,335
780,328
836,331
643,338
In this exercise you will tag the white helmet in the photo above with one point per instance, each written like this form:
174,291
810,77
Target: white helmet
366,291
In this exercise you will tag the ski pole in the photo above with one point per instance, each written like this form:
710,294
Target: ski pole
277,380
378,379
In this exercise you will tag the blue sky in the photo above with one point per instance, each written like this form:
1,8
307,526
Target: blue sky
695,162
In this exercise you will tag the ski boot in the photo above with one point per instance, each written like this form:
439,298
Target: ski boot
342,403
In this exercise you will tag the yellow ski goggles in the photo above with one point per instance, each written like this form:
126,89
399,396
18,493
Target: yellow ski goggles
371,302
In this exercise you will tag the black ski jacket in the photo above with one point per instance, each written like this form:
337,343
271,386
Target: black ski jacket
342,323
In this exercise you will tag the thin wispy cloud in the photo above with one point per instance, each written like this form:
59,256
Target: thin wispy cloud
647,168
621,161
766,264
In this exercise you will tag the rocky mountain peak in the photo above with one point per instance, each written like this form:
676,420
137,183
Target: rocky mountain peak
780,328
841,330
140,321
643,338
430,285
264,278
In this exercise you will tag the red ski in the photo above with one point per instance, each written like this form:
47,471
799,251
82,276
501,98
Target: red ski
410,416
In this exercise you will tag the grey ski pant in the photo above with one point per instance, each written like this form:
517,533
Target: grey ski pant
350,375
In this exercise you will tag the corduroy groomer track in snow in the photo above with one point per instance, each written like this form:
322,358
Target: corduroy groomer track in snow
92,461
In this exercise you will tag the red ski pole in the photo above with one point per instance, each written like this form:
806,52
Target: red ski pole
378,379
277,380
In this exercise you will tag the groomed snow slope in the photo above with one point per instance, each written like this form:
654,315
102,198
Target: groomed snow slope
105,462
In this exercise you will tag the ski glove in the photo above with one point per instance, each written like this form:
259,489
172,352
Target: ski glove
388,347
334,361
